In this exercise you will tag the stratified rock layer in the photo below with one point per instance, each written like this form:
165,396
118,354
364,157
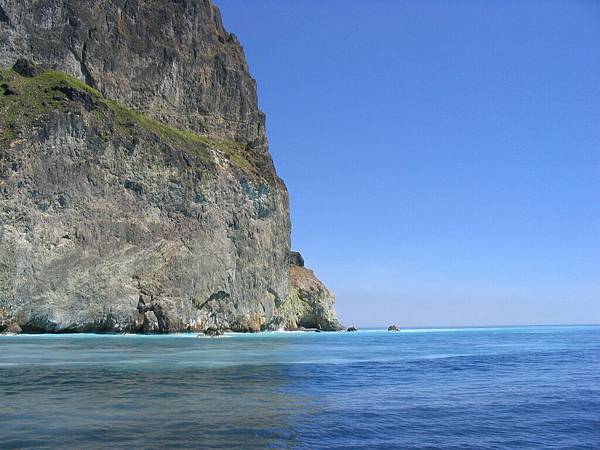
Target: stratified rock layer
136,189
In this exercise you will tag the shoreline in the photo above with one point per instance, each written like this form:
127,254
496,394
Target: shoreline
362,331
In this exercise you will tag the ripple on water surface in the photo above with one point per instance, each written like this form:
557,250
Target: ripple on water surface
503,387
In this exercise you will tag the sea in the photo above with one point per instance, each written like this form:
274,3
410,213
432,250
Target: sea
470,388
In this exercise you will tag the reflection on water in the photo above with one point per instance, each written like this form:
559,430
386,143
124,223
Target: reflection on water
521,387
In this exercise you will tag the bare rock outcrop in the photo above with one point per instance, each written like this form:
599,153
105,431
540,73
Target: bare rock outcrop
172,60
309,303
137,193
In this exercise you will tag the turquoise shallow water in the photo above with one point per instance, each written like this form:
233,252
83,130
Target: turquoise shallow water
533,387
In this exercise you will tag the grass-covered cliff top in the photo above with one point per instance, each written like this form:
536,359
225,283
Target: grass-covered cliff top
27,100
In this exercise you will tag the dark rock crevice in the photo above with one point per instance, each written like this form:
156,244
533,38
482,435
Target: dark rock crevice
83,61
157,317
218,296
89,79
3,16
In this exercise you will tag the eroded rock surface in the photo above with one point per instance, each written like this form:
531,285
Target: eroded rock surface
136,189
102,209
309,303
172,60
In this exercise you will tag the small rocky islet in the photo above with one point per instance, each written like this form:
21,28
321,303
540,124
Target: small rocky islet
137,191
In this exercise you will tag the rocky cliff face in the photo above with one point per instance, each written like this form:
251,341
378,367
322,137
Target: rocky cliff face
136,188
169,59
309,304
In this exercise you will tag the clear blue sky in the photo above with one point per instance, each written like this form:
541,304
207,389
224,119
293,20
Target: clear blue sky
443,158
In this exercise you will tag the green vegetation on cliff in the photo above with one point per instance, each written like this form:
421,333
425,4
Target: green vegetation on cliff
26,101
139,196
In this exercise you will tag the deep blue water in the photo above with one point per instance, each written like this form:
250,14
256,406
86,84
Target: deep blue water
534,387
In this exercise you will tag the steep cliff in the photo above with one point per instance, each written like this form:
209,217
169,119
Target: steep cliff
309,304
169,59
137,192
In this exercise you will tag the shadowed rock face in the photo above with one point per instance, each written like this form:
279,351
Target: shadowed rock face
296,259
3,17
137,193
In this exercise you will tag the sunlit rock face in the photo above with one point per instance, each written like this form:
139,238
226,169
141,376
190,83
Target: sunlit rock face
310,304
137,192
172,60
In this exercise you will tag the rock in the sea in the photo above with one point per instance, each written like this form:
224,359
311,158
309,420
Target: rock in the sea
139,167
351,329
393,328
214,332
